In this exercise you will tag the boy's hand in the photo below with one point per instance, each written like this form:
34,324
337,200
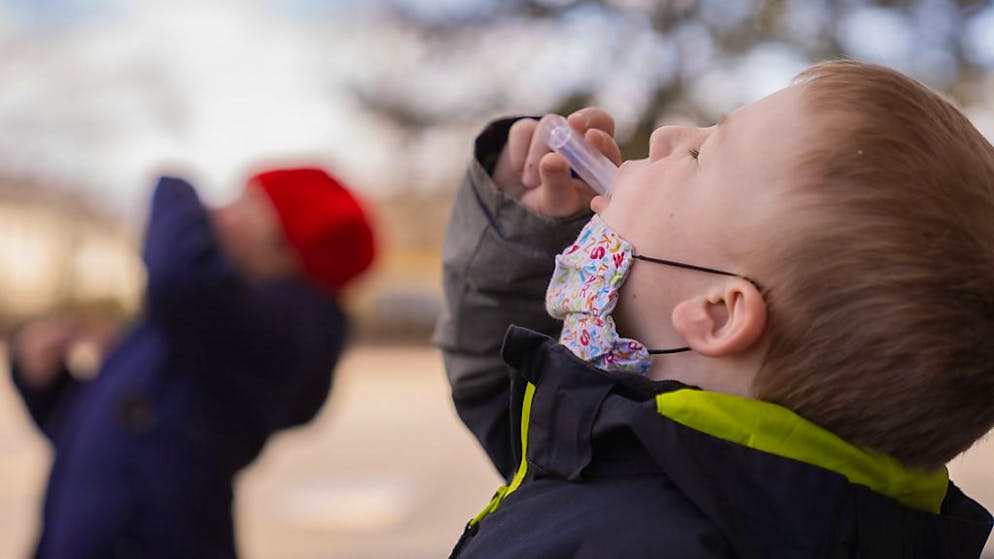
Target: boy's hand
539,178
41,347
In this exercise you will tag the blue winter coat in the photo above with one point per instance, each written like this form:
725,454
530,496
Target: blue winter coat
615,465
145,453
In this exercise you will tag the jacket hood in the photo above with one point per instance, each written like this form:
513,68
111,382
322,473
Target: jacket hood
774,483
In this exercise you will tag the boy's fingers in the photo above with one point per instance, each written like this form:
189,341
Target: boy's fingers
507,174
552,197
592,117
549,172
519,138
536,151
554,172
560,194
605,144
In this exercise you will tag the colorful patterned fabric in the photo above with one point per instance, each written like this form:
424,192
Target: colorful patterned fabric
583,293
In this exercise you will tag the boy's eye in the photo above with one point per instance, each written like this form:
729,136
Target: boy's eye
695,153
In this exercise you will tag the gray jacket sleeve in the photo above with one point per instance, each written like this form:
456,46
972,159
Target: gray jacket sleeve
497,260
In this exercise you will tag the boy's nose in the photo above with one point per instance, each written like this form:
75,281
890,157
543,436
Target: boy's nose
667,139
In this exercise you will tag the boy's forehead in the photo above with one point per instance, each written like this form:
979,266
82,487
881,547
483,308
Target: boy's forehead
758,154
772,128
780,109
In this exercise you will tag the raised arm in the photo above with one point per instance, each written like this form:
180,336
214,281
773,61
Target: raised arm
273,345
515,210
195,291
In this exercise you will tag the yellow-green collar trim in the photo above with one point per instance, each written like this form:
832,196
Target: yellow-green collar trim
519,476
777,430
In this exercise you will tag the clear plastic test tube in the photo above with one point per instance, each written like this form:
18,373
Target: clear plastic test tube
593,167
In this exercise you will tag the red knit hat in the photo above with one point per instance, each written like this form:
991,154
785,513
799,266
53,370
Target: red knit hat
322,221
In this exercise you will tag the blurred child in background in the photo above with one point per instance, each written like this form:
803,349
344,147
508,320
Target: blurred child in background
240,337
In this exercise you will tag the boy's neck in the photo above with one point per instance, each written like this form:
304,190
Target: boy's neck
729,375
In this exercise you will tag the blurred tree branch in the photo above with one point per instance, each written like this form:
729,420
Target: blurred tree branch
811,29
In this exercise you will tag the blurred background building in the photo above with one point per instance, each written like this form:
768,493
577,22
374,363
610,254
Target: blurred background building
62,254
98,97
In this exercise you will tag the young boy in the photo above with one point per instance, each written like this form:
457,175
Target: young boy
775,331
240,337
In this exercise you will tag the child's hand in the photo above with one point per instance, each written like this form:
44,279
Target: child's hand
41,347
539,178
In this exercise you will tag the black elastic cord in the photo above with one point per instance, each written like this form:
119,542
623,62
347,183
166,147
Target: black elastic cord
665,351
687,266
697,268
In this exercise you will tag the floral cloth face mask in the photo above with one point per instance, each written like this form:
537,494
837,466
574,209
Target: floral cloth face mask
584,292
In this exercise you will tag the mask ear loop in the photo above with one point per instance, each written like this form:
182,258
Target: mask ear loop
689,267
667,351
698,268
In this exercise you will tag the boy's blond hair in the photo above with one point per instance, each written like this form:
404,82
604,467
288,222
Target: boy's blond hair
881,277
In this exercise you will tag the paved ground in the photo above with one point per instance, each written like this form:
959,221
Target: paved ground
385,471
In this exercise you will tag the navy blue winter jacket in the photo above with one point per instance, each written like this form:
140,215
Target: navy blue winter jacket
616,465
145,453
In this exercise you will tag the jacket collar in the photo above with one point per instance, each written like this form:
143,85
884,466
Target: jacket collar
568,401
752,467
777,430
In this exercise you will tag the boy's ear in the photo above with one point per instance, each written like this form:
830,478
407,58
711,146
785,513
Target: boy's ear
729,320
